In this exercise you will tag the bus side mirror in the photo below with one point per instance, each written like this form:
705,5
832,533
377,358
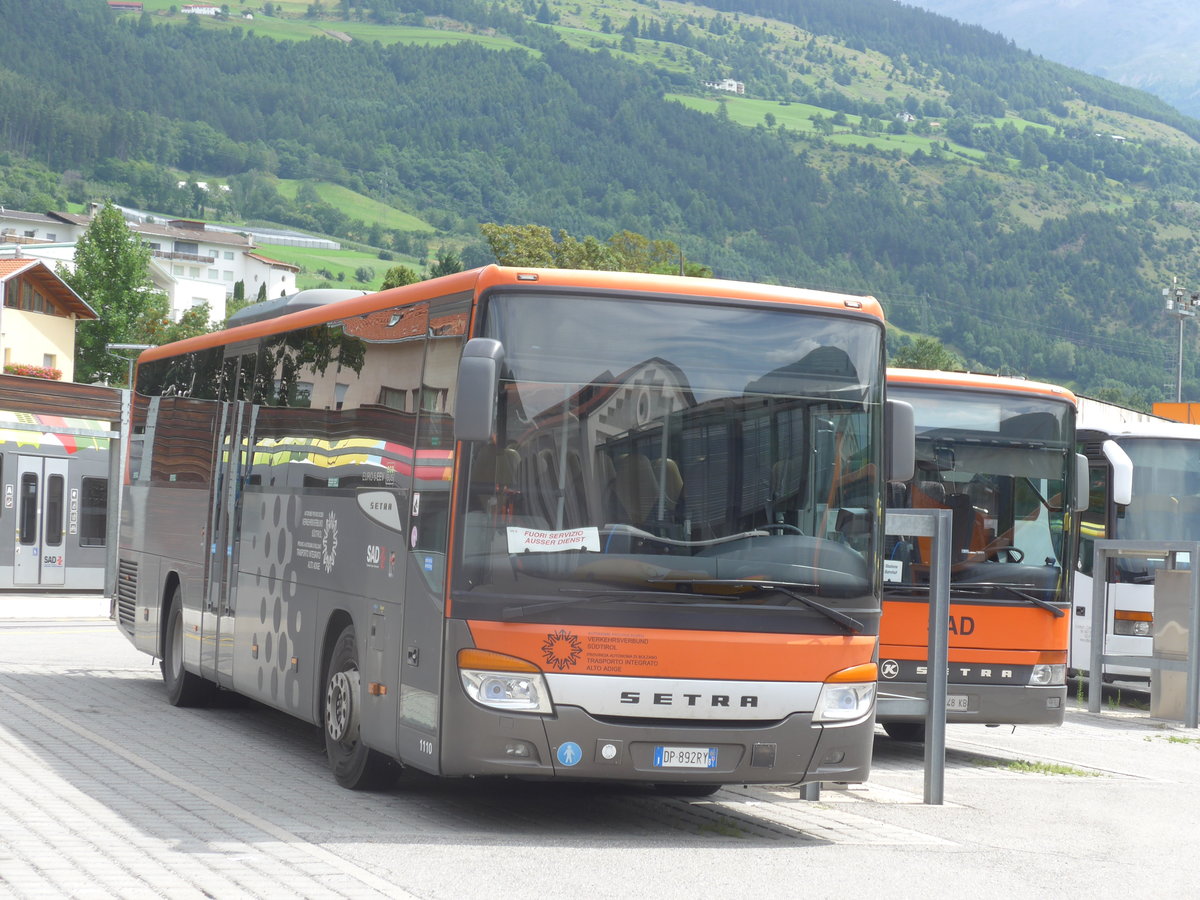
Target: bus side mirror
1122,472
478,389
900,433
1082,481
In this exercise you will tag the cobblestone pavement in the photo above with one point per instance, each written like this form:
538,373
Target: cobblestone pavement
107,791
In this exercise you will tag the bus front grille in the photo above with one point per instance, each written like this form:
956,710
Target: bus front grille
127,573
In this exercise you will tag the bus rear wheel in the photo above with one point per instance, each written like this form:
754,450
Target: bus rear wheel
354,765
909,732
184,688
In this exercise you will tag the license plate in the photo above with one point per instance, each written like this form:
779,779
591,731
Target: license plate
956,702
685,757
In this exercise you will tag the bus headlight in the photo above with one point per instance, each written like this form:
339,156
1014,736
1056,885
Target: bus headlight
1043,675
503,682
1133,623
846,695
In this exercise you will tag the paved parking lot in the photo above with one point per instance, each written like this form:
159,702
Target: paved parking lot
107,791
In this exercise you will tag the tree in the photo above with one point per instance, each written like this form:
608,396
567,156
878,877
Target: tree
446,262
112,273
625,251
927,353
398,276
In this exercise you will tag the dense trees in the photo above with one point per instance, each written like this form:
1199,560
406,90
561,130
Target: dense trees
577,142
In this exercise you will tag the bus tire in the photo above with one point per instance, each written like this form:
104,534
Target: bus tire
354,765
909,732
184,688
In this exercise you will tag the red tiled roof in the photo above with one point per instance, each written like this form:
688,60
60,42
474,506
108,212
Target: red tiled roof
58,290
272,262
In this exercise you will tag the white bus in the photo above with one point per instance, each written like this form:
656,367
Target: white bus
1144,486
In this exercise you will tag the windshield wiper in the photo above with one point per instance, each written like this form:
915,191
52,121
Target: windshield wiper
978,586
788,588
1036,601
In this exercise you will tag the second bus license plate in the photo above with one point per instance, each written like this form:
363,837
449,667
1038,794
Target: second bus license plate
685,757
956,702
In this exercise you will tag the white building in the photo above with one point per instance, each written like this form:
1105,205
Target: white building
190,262
727,84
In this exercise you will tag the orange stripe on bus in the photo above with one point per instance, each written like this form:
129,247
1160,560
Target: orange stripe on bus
970,381
663,653
976,626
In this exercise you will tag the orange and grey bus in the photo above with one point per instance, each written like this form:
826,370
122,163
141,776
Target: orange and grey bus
531,523
1000,454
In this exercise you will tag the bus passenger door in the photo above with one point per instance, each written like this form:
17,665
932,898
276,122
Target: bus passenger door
40,558
233,449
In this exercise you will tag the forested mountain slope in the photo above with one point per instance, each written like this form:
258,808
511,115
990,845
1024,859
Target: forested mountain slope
1148,44
1026,214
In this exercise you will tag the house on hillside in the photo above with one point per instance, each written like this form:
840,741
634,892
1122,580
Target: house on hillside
726,84
189,261
38,318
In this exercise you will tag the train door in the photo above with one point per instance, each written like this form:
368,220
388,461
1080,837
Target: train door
41,552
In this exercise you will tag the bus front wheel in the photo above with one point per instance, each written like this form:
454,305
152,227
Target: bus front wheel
354,765
184,688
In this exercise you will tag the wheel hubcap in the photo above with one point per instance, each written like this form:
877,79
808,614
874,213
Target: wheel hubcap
341,708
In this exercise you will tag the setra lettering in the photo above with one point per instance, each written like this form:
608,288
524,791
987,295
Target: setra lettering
715,701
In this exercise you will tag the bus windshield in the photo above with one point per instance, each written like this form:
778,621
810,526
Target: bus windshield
1000,463
1166,499
659,464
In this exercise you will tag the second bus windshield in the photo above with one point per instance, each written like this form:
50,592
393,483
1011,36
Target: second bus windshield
1000,463
664,459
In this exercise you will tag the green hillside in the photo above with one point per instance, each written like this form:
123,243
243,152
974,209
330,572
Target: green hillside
1026,214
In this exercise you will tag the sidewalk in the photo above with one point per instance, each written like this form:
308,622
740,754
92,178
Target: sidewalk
53,605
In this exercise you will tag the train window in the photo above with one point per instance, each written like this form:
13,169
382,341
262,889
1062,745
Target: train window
93,512
54,510
27,530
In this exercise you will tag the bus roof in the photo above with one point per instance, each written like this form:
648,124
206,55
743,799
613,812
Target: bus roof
1161,429
476,281
978,381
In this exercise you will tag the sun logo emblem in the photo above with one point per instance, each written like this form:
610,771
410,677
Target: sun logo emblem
561,649
329,542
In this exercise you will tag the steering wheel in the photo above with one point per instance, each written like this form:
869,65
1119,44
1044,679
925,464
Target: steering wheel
1015,554
780,526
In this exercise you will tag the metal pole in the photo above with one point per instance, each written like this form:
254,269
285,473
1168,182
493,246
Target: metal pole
1193,670
1179,371
939,659
1098,627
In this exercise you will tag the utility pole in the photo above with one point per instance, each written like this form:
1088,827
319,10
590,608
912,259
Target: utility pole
1181,304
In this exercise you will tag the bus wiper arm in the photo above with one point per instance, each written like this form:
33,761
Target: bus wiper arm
790,589
1036,601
